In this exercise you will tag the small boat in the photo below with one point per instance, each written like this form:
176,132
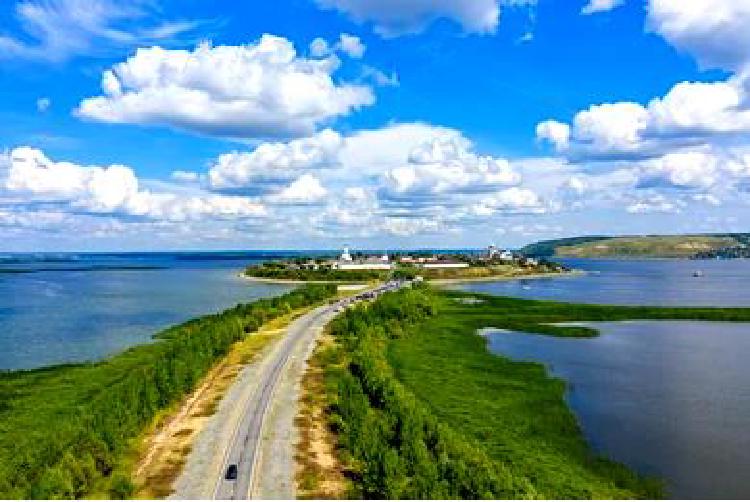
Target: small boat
698,273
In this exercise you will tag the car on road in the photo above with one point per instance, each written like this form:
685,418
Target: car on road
231,472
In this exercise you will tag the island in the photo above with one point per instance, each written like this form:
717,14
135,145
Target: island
491,263
703,246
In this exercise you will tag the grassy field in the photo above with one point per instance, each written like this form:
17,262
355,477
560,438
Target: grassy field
431,372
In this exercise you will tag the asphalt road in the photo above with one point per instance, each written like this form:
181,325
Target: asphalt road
245,444
243,450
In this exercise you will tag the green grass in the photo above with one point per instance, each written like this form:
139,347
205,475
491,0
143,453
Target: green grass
509,412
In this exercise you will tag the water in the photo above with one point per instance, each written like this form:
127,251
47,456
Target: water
57,308
668,398
637,282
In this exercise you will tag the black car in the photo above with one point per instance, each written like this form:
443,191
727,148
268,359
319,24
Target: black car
232,472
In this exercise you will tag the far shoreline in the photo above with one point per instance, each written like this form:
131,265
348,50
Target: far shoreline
435,282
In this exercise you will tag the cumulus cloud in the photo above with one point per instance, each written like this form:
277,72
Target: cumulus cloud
514,200
272,165
30,177
56,30
691,113
351,45
594,6
715,32
686,147
392,18
258,90
445,166
555,132
305,190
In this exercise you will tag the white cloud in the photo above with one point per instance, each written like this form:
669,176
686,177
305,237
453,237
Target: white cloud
445,166
320,48
32,178
691,113
379,77
185,176
682,169
351,45
43,104
654,204
594,6
61,29
555,132
392,18
407,227
514,200
271,165
716,32
305,190
252,91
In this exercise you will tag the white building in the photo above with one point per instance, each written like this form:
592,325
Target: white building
346,262
365,265
445,264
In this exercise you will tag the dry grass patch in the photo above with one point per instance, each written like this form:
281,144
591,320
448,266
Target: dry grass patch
320,474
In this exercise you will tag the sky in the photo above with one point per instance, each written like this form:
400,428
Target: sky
304,124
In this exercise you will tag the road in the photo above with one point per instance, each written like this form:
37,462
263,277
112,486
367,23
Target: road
245,445
243,450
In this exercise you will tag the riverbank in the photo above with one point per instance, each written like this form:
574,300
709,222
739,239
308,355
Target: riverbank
431,372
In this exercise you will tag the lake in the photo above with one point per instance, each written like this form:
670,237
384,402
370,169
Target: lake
58,308
636,282
668,398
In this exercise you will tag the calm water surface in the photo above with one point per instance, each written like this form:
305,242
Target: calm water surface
665,397
668,398
637,282
71,308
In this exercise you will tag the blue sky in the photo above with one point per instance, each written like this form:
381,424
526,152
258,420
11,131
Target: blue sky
164,124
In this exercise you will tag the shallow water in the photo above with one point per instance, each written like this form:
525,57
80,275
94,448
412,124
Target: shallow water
669,398
78,307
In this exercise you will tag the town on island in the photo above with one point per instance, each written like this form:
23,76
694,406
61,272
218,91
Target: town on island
489,263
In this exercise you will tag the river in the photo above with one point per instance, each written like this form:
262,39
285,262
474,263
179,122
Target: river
668,398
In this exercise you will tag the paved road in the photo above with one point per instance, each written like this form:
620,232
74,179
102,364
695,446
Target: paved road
245,444
243,451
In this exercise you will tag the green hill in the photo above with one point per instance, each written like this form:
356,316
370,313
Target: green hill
641,246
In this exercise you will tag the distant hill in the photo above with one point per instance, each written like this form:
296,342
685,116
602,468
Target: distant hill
644,246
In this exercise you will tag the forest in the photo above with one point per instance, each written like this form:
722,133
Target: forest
66,431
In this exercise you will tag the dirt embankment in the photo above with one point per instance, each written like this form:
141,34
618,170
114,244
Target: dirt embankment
320,474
